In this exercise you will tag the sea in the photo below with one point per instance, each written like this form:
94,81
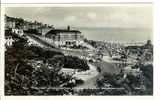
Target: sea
129,35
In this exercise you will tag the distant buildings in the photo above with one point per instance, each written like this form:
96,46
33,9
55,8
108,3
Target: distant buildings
19,26
44,30
65,37
61,37
9,23
19,23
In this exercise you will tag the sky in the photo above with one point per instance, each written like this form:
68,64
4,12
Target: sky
115,16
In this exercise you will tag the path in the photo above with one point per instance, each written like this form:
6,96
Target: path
89,77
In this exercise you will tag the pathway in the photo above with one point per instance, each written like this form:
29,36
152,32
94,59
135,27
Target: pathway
89,77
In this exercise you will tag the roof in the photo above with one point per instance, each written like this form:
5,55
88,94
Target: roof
55,31
64,30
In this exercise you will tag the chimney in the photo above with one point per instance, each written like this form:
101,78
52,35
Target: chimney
68,28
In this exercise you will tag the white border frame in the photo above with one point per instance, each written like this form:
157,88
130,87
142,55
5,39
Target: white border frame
157,50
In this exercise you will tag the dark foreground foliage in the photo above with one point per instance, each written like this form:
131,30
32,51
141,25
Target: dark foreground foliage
20,75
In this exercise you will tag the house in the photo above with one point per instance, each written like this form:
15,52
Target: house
18,31
26,26
148,45
9,23
65,37
8,41
12,23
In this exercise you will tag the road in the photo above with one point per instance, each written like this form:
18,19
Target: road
89,76
51,46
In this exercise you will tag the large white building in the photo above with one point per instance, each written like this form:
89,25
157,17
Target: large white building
65,37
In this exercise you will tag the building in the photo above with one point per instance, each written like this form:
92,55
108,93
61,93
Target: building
65,37
43,30
26,26
18,31
8,41
12,23
9,23
148,45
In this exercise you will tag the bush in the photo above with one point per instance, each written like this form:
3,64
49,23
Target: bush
79,81
98,69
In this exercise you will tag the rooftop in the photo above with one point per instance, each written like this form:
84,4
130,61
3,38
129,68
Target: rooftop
63,30
68,30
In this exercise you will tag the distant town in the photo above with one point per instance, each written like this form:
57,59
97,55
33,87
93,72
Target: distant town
41,59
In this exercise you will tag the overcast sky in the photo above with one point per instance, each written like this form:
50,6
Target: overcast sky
122,16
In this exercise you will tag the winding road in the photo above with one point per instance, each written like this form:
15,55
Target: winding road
90,76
